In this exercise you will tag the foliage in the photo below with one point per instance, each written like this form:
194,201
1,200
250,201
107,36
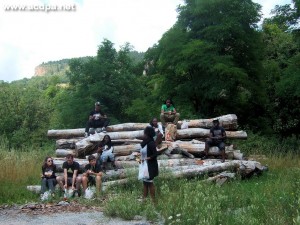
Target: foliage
282,75
213,61
108,78
210,61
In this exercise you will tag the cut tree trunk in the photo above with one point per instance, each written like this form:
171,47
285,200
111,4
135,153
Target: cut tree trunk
245,168
67,143
127,127
191,133
119,150
228,122
197,148
67,133
65,152
129,164
104,186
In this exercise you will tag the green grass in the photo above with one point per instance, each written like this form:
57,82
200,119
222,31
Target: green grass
19,168
272,198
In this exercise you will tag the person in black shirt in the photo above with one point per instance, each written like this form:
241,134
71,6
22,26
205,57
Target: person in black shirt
70,177
92,174
217,138
48,175
97,119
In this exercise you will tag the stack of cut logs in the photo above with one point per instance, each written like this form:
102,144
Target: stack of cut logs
127,137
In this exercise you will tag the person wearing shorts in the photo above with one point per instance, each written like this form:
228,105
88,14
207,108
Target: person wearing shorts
70,178
92,174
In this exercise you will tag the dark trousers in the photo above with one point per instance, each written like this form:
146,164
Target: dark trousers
48,183
102,122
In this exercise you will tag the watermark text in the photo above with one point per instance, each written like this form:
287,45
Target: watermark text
40,8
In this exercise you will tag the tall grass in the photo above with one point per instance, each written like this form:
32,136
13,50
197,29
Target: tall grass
18,168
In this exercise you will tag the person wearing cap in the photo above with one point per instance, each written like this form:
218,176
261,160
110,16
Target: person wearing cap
217,137
97,119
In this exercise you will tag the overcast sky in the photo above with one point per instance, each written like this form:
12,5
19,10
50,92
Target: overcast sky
50,30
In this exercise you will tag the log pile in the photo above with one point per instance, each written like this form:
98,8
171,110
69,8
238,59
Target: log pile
127,137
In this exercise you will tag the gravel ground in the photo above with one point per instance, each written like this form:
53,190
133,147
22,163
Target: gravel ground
37,214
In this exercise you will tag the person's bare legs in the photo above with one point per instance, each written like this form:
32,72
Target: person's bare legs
145,190
98,182
59,180
152,192
84,182
78,182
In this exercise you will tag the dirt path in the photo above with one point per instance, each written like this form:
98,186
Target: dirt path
73,214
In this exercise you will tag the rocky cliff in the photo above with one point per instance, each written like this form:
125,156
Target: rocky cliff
52,68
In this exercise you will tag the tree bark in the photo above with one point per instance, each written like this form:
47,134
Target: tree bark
127,127
67,133
67,143
65,152
228,122
191,133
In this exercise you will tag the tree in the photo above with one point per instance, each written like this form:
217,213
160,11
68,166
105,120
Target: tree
210,59
109,78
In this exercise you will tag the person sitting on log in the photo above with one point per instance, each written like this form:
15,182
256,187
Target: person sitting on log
159,133
48,176
105,149
92,174
217,137
97,119
70,177
168,114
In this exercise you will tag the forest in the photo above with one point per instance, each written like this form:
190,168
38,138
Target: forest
220,57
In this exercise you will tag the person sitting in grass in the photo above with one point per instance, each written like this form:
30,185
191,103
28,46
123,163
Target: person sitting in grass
92,174
48,176
70,177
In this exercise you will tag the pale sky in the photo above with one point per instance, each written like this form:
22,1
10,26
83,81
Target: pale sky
75,28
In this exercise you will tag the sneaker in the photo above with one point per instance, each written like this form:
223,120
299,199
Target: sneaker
76,194
86,134
115,167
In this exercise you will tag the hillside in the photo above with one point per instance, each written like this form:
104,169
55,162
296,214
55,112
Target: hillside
52,68
60,67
